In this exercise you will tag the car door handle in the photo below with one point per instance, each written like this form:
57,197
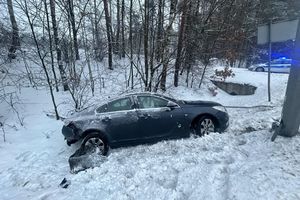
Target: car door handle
106,119
144,116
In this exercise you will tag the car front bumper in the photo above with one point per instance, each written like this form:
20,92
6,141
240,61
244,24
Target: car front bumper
70,134
223,119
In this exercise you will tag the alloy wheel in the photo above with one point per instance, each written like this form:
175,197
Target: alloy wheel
207,126
95,145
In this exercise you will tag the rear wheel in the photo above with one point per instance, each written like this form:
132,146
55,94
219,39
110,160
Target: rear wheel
259,69
95,143
205,125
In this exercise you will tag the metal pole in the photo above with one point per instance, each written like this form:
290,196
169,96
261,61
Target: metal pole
290,118
269,63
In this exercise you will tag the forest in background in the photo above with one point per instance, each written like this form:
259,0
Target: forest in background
158,40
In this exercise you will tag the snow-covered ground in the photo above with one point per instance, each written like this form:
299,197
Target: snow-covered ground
238,164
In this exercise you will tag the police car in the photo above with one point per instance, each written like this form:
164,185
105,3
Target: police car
281,65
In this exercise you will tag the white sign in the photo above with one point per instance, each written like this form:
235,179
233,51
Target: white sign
280,32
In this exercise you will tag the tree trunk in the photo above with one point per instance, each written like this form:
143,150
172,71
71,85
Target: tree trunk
160,26
152,42
50,45
15,40
146,36
165,47
73,26
117,45
108,33
98,52
87,56
123,29
180,44
57,47
131,42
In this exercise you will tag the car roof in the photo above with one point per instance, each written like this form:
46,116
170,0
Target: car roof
149,94
282,59
135,94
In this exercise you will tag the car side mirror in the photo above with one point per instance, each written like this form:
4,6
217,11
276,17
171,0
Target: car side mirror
172,105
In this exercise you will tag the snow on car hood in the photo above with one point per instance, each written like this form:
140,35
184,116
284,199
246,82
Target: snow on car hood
258,65
262,65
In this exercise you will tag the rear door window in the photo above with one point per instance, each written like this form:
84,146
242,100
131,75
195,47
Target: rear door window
151,102
287,61
275,62
116,105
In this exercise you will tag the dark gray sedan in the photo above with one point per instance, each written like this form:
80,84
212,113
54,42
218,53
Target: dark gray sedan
143,118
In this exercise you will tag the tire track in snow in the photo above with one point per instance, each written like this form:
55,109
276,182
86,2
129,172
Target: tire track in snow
222,167
219,177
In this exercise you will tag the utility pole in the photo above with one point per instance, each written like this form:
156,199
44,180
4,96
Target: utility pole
290,117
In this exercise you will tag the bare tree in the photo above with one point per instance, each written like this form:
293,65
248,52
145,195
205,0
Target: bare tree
180,41
87,57
57,46
146,41
160,26
15,39
27,13
123,28
71,16
50,44
165,46
117,39
108,33
131,44
98,43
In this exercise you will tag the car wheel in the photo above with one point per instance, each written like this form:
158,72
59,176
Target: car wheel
259,69
205,126
95,143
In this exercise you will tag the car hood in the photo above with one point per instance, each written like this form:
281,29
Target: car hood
258,65
201,103
262,65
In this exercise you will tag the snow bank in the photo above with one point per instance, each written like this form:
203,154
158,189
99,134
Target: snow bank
238,164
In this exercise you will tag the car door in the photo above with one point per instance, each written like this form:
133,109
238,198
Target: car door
280,65
120,119
276,66
287,63
157,120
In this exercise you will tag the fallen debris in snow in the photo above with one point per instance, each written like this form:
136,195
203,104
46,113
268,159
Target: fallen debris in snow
82,160
65,183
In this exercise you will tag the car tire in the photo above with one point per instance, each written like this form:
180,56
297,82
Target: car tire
260,69
205,125
95,143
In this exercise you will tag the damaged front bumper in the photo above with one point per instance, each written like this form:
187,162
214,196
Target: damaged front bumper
70,133
223,119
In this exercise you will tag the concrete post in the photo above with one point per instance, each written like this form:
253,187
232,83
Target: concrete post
290,118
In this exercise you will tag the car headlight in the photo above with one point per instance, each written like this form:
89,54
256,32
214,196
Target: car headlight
220,108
